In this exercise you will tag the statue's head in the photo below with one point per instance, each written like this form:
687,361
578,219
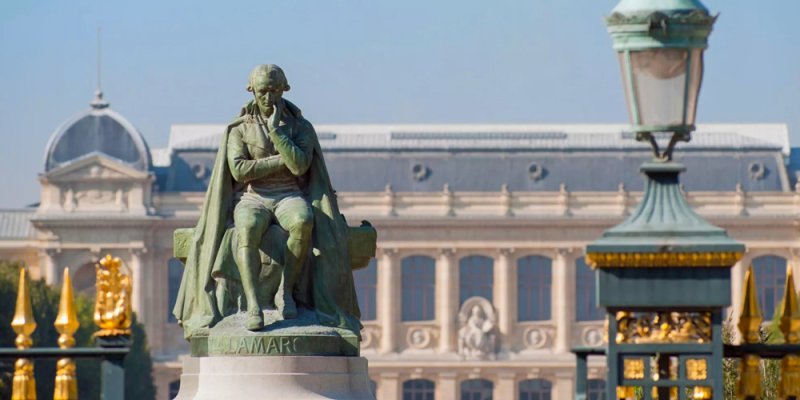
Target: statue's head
267,82
477,312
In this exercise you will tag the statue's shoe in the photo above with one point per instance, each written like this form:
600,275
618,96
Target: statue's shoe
254,321
289,310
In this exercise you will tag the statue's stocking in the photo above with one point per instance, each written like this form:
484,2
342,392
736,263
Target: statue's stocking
248,259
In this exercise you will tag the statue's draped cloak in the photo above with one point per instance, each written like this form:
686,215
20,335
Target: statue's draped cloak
327,282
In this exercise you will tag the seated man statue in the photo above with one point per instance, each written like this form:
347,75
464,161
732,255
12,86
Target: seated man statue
269,173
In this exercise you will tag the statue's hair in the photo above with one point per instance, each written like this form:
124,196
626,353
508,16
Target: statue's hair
272,71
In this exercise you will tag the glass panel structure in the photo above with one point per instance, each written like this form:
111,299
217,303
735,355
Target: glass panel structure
174,388
770,274
84,278
476,278
585,299
535,389
419,288
596,389
477,389
366,282
534,280
418,389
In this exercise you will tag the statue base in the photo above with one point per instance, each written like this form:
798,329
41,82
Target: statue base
275,377
303,336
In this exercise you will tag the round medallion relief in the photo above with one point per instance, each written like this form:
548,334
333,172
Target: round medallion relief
419,338
369,337
593,337
536,338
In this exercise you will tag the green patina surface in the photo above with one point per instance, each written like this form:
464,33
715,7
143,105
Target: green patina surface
303,336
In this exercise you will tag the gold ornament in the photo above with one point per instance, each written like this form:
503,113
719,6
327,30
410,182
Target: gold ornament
112,312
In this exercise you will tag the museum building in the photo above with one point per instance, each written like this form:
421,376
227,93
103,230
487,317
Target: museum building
479,287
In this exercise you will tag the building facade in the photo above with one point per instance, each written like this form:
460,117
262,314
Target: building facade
479,288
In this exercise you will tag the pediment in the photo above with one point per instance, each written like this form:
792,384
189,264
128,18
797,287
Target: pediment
94,168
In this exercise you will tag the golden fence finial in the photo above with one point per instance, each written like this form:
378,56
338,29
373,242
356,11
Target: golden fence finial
23,386
66,387
751,318
750,327
112,312
789,385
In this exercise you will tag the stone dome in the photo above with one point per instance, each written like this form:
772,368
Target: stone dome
98,130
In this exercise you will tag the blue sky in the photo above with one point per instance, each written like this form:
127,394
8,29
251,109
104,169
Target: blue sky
359,62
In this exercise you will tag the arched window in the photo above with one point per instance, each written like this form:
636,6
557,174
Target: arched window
585,293
770,275
535,389
174,388
476,278
366,281
174,275
477,389
534,280
418,389
419,288
596,389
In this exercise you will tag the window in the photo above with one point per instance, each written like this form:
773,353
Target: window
373,387
534,280
476,389
418,389
535,389
419,288
596,389
770,275
585,293
366,281
174,388
174,275
476,278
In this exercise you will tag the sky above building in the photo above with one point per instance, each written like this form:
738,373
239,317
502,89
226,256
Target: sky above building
412,61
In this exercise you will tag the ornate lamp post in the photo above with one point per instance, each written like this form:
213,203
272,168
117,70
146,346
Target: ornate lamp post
664,273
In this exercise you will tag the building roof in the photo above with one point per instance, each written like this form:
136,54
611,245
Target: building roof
478,157
98,130
16,224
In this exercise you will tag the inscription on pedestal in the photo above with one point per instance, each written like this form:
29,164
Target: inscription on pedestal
275,345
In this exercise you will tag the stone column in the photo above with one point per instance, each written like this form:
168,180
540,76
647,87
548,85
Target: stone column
159,306
506,386
390,386
447,386
563,299
388,299
140,286
504,295
49,269
446,300
564,386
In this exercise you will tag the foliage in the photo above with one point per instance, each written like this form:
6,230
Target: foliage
770,369
44,299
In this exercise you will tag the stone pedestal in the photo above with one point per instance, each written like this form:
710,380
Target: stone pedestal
275,377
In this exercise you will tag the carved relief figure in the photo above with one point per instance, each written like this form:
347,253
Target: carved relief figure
477,337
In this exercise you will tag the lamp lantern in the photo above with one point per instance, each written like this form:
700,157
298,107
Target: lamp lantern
660,46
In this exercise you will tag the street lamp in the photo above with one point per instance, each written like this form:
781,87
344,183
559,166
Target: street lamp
660,46
663,274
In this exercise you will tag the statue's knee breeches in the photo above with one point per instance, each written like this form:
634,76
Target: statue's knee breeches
251,222
295,216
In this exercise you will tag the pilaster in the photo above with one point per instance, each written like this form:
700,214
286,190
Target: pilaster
563,298
388,299
49,265
447,385
504,295
390,387
564,386
506,386
446,299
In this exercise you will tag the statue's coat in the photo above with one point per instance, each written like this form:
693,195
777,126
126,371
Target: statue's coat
327,282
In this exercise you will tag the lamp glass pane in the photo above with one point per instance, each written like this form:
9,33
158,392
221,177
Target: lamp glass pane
695,80
659,85
624,68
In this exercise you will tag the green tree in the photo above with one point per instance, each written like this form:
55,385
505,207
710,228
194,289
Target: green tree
44,299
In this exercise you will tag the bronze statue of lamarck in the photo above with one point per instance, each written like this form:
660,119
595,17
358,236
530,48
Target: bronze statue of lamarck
270,233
